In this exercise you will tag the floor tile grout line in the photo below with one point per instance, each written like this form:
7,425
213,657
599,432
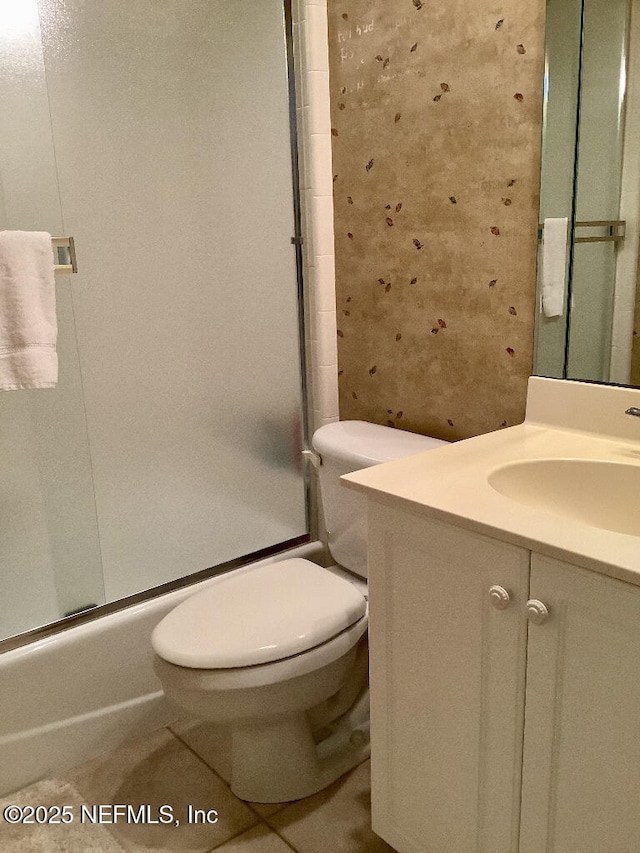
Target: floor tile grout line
200,759
260,817
257,815
237,835
288,843
271,830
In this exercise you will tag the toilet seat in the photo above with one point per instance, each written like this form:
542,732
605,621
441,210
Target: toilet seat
182,678
260,616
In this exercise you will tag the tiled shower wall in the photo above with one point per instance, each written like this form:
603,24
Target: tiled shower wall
436,130
314,143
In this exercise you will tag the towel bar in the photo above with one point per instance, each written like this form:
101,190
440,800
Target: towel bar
615,229
64,251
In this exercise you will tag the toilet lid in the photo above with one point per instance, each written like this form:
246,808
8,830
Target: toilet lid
259,616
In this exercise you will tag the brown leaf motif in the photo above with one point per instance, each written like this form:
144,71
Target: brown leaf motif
495,230
372,370
500,23
413,48
510,351
519,96
417,243
369,165
389,220
397,117
453,199
521,49
513,311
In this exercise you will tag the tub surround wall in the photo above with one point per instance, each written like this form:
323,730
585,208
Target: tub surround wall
436,125
314,152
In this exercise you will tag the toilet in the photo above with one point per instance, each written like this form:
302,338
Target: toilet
277,652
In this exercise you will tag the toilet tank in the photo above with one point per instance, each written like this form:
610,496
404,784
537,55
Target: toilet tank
347,446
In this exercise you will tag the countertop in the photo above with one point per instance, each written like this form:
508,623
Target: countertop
450,483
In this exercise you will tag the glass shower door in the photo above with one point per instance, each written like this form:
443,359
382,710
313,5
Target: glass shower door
50,562
171,135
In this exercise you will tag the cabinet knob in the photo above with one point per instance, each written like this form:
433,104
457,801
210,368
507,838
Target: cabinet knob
537,612
499,597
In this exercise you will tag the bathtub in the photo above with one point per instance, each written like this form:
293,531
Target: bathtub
69,697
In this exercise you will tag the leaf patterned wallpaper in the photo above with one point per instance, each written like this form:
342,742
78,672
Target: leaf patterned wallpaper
436,112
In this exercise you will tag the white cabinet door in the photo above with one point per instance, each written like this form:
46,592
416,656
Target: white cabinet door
581,766
447,685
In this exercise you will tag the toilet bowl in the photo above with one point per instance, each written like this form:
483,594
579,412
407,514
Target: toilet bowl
277,653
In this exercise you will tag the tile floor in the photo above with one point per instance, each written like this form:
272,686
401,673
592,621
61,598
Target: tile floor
175,767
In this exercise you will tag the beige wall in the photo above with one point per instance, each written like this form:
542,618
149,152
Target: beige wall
436,111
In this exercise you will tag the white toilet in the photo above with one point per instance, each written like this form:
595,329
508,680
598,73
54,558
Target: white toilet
277,653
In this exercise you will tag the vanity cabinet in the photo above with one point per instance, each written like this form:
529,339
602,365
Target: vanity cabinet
495,729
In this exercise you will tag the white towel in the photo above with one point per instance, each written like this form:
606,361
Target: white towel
28,327
554,255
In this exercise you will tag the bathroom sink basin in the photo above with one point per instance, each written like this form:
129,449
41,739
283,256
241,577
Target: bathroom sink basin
598,493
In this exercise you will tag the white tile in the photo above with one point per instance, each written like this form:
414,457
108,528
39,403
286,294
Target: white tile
320,164
319,107
323,285
298,10
308,227
326,384
322,225
326,338
325,329
315,41
315,87
304,160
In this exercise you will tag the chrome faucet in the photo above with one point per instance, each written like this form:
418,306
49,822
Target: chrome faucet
633,411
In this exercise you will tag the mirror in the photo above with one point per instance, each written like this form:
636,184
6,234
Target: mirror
586,306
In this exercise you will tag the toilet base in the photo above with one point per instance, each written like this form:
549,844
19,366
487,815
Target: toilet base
278,760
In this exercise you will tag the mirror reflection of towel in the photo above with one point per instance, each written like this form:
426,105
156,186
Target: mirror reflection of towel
554,254
28,327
